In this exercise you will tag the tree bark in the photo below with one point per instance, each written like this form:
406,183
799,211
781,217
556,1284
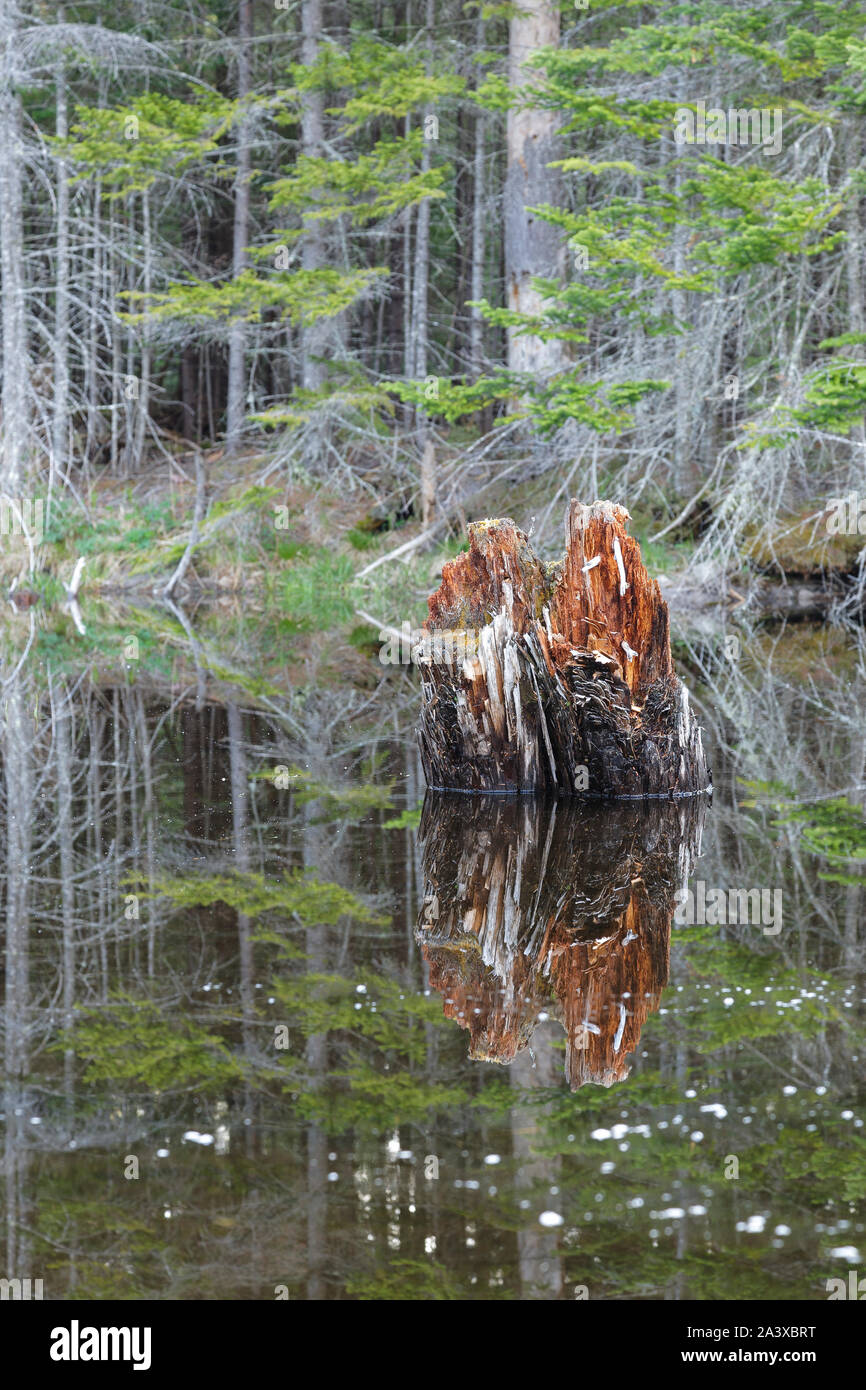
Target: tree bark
313,254
236,393
60,419
476,317
14,329
532,246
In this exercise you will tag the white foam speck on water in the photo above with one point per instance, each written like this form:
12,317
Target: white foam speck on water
550,1218
753,1226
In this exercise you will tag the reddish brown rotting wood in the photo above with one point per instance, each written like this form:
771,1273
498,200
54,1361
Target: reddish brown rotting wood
555,678
540,907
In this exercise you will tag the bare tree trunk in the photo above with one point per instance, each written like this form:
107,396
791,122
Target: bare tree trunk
428,483
236,397
476,320
420,325
91,378
142,416
420,315
408,345
532,246
313,257
14,329
854,254
60,421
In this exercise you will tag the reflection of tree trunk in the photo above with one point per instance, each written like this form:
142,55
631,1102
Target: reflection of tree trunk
239,775
537,1247
854,891
317,1066
94,817
676,1288
553,907
147,772
17,1162
17,744
63,754
19,772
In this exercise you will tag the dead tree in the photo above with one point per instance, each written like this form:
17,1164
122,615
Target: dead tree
555,678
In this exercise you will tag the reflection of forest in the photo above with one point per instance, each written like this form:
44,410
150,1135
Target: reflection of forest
536,904
171,900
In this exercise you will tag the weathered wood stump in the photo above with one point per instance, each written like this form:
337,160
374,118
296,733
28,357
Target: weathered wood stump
555,678
547,906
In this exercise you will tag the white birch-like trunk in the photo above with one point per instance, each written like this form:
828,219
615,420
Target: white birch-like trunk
143,412
532,246
13,434
314,337
60,413
854,254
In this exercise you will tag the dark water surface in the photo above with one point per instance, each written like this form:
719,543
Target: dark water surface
271,1030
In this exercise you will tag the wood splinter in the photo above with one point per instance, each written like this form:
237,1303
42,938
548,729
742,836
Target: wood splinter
566,683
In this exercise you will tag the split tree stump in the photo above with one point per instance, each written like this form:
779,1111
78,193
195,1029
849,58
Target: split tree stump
555,678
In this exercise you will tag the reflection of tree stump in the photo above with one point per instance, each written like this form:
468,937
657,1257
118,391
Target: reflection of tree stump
548,906
558,679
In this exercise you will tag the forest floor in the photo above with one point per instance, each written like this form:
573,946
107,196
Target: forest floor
299,560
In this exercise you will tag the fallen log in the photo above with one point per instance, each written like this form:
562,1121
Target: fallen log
555,678
544,907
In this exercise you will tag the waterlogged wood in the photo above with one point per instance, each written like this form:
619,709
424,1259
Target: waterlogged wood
555,678
541,908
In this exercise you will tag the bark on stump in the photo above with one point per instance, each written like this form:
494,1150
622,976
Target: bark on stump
552,908
555,678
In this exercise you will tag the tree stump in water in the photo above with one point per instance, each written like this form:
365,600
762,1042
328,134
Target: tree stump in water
555,678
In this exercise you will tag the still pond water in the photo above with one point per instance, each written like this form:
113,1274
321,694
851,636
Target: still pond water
276,1025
